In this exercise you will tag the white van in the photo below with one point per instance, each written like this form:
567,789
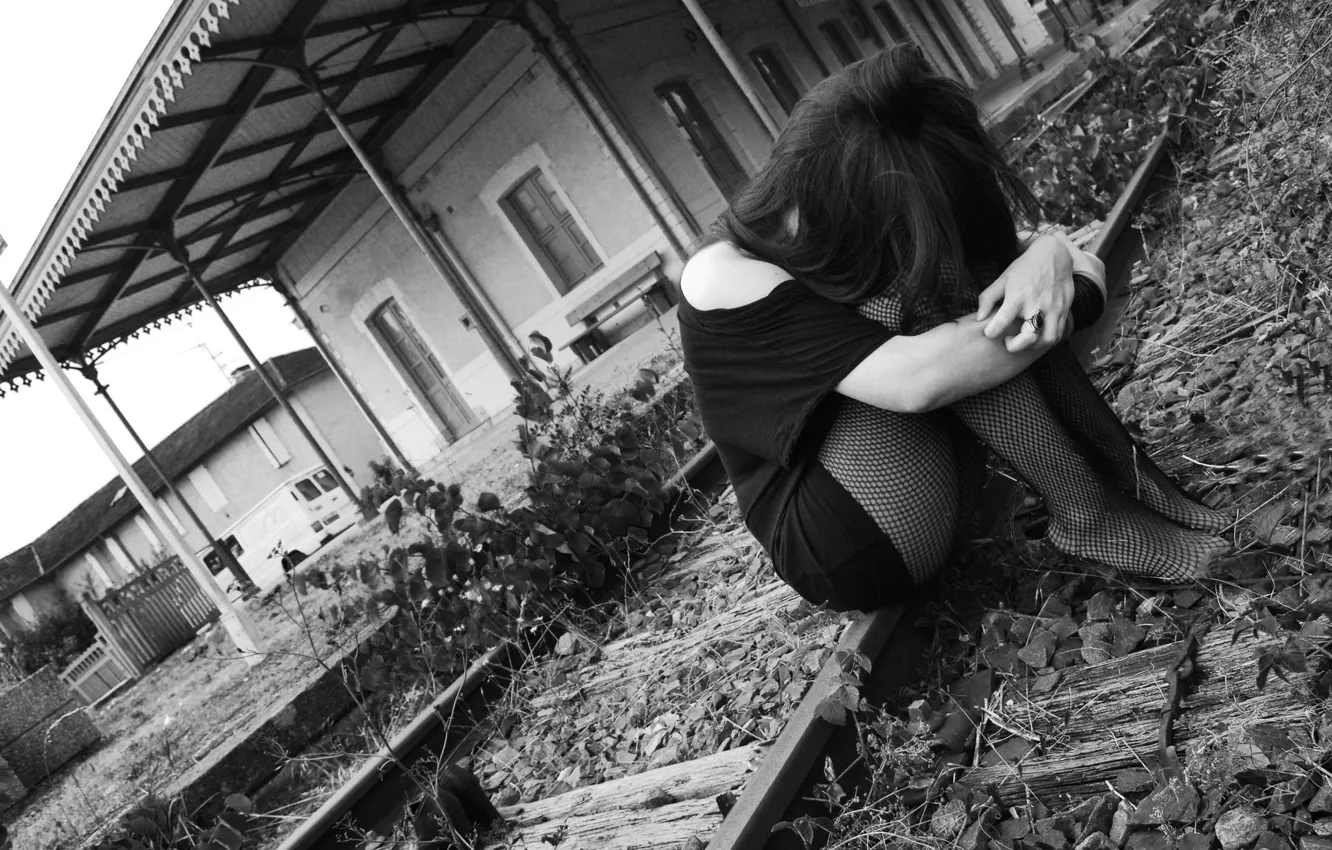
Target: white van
286,527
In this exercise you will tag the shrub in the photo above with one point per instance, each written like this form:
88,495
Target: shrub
58,638
468,576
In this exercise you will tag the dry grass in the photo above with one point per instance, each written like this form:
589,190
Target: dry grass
189,704
742,650
180,711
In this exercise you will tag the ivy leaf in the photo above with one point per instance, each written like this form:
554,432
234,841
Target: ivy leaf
619,517
488,502
832,709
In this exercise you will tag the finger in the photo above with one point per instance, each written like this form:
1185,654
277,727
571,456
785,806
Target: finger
989,297
1053,328
1021,341
1003,317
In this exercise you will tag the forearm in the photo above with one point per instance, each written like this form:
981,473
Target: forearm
930,370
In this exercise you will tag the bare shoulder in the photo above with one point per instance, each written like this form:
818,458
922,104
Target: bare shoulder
720,276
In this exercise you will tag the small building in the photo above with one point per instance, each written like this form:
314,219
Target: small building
224,460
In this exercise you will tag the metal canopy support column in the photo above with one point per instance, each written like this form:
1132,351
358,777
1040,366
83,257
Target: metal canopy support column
89,371
491,329
180,256
1004,19
728,59
236,620
288,292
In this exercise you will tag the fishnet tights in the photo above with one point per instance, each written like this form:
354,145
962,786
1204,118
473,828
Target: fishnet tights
917,475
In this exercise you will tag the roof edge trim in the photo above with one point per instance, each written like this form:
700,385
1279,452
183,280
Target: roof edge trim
159,75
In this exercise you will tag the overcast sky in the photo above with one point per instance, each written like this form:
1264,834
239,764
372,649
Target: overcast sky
61,66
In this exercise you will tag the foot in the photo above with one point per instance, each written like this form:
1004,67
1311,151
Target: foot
1141,543
1174,505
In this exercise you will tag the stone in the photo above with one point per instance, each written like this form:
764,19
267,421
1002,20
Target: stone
1096,841
1094,630
949,820
1133,781
1003,658
1096,651
1064,627
1239,828
1094,814
1321,802
1012,830
1175,803
1315,842
1323,827
1101,606
974,837
1054,608
1270,840
1292,793
1297,823
1045,683
1051,840
1068,653
1119,823
1195,841
1127,636
1149,839
1039,649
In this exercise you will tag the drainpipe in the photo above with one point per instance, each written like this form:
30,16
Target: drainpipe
402,208
583,64
181,256
461,271
289,294
235,619
803,36
89,371
728,59
542,45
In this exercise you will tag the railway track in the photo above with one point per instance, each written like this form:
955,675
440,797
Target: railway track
759,784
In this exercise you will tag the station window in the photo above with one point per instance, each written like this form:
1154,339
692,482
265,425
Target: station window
841,42
545,223
775,74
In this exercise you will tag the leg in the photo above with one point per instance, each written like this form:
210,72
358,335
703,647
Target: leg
1110,448
1087,517
904,470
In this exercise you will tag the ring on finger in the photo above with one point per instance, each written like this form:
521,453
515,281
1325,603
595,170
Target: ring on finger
1035,321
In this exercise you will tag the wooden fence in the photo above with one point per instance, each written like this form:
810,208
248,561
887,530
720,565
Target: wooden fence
139,623
96,673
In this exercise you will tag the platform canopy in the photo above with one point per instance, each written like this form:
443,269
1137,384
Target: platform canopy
212,142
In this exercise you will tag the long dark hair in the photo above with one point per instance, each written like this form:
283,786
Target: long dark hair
894,177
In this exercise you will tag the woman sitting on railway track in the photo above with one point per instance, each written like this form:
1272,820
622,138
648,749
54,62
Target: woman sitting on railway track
866,321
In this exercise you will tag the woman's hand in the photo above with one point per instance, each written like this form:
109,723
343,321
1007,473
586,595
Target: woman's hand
1039,281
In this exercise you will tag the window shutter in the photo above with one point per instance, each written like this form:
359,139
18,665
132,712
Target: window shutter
212,494
148,531
268,442
98,569
170,514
